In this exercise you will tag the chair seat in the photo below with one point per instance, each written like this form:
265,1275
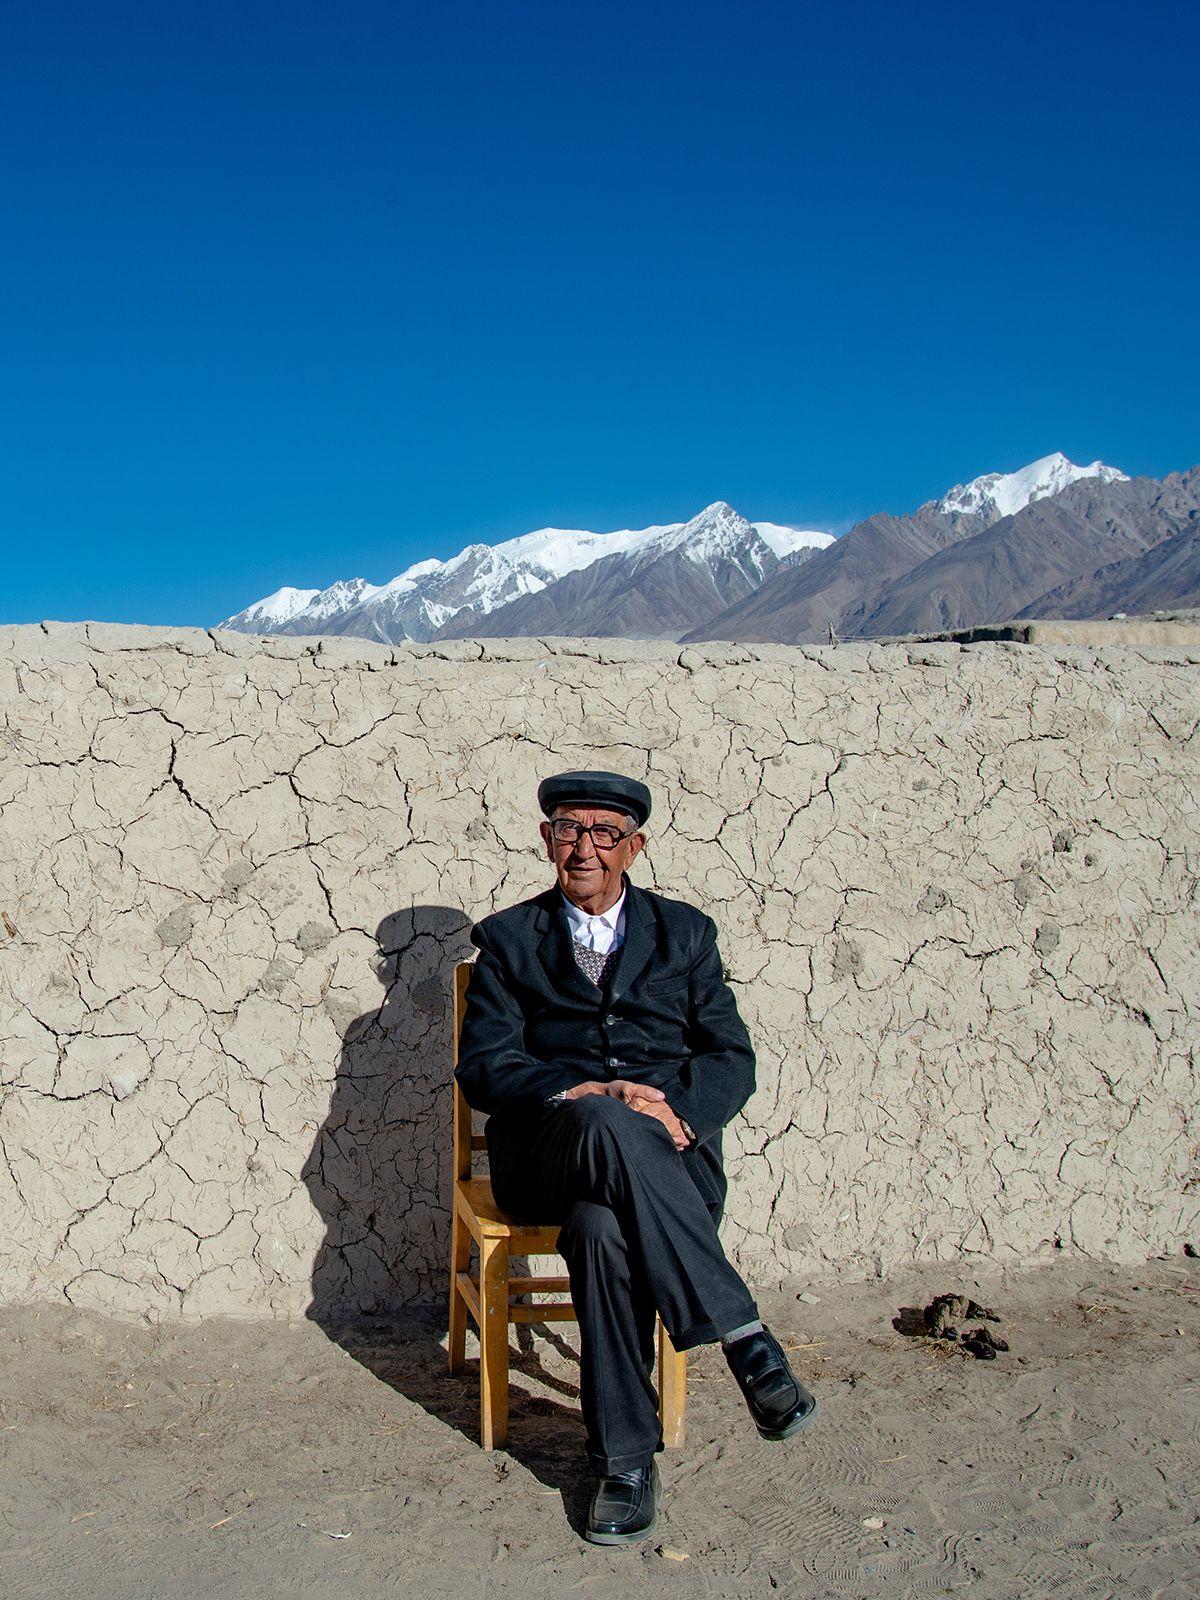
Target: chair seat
474,1198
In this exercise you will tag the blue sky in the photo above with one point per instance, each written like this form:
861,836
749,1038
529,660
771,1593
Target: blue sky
298,291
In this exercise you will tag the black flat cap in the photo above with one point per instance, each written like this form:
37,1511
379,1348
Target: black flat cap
608,789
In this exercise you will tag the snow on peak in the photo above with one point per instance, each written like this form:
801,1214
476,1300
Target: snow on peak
405,582
532,560
785,541
340,596
718,530
557,551
1003,494
281,606
286,604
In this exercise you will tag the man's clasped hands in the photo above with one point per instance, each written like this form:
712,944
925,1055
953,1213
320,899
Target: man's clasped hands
639,1097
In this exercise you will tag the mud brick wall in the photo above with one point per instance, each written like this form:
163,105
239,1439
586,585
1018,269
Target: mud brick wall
956,889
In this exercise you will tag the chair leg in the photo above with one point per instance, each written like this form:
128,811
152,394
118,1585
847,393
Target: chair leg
460,1260
493,1342
672,1390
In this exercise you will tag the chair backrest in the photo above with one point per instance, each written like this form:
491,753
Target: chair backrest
466,1140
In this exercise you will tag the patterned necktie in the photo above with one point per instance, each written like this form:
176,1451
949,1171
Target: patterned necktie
592,963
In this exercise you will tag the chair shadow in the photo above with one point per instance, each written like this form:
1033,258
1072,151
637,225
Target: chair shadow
379,1176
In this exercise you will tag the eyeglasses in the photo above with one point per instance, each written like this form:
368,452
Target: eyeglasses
604,835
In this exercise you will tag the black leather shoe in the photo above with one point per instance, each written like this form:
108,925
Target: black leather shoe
624,1507
778,1401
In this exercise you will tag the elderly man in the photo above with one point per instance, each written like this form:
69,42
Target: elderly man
603,1040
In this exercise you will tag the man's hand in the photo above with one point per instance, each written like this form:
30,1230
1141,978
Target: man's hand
638,1097
661,1112
620,1089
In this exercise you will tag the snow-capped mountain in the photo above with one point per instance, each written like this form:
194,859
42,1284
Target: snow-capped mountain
416,602
657,585
485,578
985,550
1003,494
1075,537
313,604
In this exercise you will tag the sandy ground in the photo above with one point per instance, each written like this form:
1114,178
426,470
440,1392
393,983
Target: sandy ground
222,1459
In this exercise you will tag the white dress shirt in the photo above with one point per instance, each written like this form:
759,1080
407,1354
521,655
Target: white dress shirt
603,933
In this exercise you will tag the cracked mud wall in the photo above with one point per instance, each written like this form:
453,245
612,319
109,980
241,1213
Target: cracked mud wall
956,891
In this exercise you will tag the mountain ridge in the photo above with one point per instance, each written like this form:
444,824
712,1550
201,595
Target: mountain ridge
649,592
936,570
482,578
982,552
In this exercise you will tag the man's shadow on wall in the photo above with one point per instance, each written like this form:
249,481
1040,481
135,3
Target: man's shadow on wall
379,1175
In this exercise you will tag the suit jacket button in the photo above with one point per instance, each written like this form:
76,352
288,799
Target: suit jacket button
610,1019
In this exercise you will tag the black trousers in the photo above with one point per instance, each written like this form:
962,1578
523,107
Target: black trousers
637,1237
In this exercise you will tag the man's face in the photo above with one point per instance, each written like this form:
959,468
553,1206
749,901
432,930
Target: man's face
587,874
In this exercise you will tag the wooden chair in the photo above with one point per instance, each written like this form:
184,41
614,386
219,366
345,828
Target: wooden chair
489,1297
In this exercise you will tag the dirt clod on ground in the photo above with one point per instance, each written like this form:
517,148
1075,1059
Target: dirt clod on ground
947,1311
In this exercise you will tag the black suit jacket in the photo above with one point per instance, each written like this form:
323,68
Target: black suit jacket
535,1025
